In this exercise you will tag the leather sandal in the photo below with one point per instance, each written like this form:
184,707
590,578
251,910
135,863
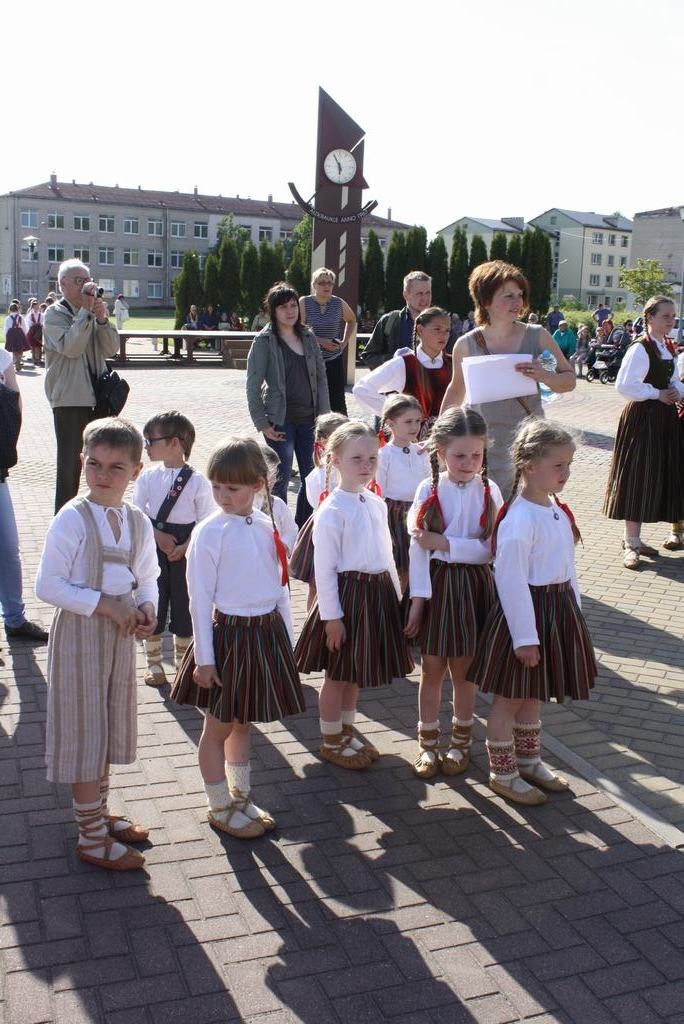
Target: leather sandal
131,860
368,748
132,834
265,819
531,797
155,676
460,741
557,784
332,750
251,831
631,558
674,542
429,759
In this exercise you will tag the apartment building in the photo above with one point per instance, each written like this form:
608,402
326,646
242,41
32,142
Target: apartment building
486,229
659,235
133,240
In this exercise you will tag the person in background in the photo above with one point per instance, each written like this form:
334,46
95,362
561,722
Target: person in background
121,313
455,331
394,330
15,335
601,314
553,319
532,318
581,354
325,314
261,319
33,326
565,338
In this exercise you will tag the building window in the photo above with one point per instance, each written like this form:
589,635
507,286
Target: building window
201,229
624,241
597,238
609,280
81,222
265,234
55,220
55,253
285,235
591,299
594,279
29,286
611,260
106,223
106,257
108,284
623,261
82,253
155,258
177,229
612,239
26,255
131,257
176,257
154,290
596,259
155,227
29,218
131,289
131,226
553,218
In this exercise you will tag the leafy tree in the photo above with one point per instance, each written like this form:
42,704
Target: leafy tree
459,297
187,288
227,228
229,275
645,280
416,249
212,287
395,271
373,277
514,254
499,246
299,268
250,281
478,253
438,269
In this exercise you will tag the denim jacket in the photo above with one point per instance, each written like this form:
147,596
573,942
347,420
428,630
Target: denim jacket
266,396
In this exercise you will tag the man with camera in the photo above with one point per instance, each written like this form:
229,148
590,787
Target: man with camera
77,339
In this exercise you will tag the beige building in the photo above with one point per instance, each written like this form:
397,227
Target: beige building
486,229
588,251
659,235
133,239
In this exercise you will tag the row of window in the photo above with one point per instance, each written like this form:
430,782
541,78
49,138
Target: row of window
597,239
131,289
595,280
106,256
131,226
597,260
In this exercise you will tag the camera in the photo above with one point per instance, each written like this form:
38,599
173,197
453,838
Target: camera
100,292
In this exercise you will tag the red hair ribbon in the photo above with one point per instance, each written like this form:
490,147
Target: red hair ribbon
485,507
382,439
566,508
281,552
499,516
374,487
323,495
432,501
318,451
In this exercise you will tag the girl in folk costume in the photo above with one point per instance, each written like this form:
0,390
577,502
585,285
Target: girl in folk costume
33,326
240,667
675,542
302,560
424,371
646,480
15,335
266,501
535,646
451,581
353,631
402,465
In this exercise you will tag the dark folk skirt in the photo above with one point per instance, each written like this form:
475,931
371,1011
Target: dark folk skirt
567,666
255,662
302,558
453,619
646,480
375,650
396,516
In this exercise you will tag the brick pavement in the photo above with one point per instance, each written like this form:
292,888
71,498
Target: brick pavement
379,898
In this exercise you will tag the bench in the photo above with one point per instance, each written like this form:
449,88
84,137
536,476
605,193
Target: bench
232,349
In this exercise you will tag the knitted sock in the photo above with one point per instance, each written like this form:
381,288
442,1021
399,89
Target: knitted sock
348,718
331,733
461,739
633,542
221,805
180,646
92,827
527,739
503,766
238,776
153,652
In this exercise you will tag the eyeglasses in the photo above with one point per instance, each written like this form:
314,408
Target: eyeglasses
149,441
80,280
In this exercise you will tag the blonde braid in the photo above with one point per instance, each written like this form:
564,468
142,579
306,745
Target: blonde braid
434,520
328,468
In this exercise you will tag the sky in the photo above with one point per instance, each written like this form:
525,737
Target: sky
479,108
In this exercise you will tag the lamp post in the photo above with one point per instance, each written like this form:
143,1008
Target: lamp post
32,242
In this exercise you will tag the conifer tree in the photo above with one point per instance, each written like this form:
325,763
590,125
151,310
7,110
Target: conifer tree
187,288
514,254
373,277
395,271
478,253
438,269
498,247
459,297
250,281
212,290
229,276
416,249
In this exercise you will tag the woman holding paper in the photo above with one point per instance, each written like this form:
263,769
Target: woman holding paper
510,391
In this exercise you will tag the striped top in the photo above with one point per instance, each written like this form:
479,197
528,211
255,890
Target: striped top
325,321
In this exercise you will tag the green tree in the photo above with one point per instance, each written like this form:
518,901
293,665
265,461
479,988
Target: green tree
644,280
227,228
416,249
514,255
267,268
279,262
459,297
373,276
299,268
539,271
438,269
526,253
478,253
187,288
229,276
499,246
212,287
249,280
395,271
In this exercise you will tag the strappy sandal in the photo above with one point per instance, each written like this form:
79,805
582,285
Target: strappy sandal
460,741
251,831
131,834
368,748
131,860
332,750
155,676
429,759
240,803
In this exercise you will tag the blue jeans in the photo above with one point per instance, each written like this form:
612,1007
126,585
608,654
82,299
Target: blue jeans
299,440
10,562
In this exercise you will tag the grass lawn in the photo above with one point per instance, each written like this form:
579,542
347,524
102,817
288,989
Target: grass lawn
150,323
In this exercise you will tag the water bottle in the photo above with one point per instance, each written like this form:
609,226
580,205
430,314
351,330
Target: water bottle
548,361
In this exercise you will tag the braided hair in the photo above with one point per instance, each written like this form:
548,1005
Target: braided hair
348,431
325,424
426,317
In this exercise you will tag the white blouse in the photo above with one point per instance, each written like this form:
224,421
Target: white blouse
534,546
371,391
462,508
233,567
284,520
61,579
194,503
401,469
315,484
634,367
350,534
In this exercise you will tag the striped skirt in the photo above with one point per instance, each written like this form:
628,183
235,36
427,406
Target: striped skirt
302,559
396,515
92,698
254,660
646,480
375,650
462,597
567,666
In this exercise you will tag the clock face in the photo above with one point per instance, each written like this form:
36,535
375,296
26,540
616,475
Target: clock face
339,166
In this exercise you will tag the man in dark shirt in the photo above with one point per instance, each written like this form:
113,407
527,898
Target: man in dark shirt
553,319
394,330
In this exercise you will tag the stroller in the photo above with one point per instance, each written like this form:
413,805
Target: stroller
606,364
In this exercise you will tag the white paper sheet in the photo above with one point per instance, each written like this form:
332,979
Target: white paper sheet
492,378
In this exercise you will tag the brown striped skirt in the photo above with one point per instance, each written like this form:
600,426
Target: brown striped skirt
646,480
396,517
254,660
375,650
302,559
462,597
567,666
